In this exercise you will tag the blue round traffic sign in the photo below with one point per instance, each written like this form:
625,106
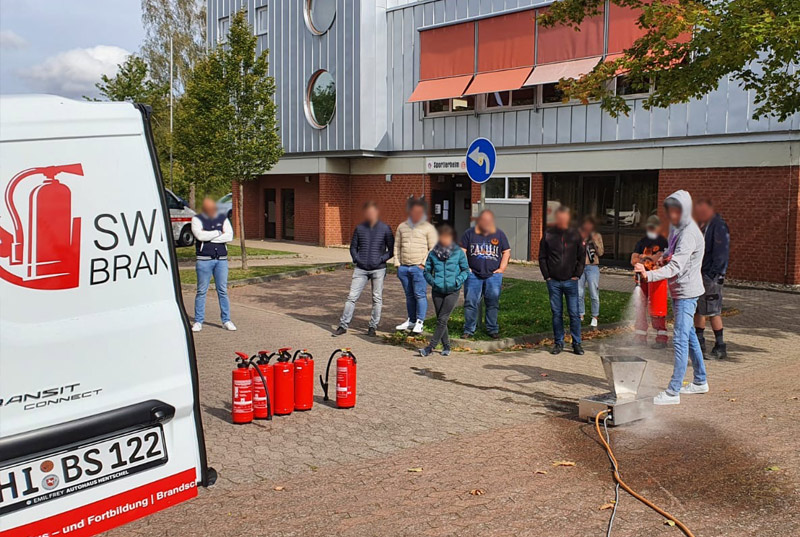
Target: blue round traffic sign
481,160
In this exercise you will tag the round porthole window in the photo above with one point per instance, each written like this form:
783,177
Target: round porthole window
321,99
319,15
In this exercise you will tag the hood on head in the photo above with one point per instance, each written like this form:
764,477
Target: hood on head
684,199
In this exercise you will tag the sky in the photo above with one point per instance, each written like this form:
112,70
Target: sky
63,46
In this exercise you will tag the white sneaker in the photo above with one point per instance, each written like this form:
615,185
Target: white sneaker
196,327
229,326
593,324
695,388
417,327
666,399
405,326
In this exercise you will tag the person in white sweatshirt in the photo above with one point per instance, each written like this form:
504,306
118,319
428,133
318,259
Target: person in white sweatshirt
212,231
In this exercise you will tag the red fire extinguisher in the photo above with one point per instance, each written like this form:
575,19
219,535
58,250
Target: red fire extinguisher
303,380
284,383
345,378
45,253
263,385
242,407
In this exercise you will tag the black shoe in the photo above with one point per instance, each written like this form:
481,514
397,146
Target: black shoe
720,352
494,336
658,345
557,348
466,335
340,331
578,349
371,332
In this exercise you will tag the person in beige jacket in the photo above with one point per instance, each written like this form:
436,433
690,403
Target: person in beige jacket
413,240
593,242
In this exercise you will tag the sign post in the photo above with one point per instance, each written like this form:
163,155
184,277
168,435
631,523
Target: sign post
481,161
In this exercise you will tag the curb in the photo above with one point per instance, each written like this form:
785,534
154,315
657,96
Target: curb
274,277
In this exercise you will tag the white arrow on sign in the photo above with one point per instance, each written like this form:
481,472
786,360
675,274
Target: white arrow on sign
481,159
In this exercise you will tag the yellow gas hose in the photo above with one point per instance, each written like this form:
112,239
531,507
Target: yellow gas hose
629,490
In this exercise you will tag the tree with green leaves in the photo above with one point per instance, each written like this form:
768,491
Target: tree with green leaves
688,46
228,121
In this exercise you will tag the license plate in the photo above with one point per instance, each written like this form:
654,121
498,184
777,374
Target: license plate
59,474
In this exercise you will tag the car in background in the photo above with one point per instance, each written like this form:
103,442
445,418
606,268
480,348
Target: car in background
180,217
225,205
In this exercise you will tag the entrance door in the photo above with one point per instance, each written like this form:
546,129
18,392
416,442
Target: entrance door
442,210
270,214
450,202
287,214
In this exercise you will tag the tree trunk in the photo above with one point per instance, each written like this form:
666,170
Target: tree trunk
192,195
240,208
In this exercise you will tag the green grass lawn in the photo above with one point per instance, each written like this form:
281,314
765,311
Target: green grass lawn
525,309
188,252
190,276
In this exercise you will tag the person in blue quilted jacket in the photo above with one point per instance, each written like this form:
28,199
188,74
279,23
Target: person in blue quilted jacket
446,270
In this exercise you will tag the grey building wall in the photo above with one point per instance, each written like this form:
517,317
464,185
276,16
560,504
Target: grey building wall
372,50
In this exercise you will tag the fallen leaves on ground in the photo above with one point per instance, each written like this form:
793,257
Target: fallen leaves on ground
669,522
541,472
563,463
732,399
279,488
773,468
416,469
477,492
543,374
609,505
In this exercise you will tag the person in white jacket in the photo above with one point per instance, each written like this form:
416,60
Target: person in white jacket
681,268
212,231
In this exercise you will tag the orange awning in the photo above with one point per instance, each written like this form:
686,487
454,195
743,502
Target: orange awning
509,79
553,72
440,88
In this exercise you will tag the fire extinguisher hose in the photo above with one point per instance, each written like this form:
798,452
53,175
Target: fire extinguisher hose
327,371
621,483
266,388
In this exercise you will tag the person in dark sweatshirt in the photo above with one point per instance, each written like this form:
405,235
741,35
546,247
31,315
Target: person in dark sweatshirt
715,265
371,247
446,270
562,257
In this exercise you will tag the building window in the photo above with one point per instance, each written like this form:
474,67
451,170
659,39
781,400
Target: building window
320,102
498,99
628,88
464,104
223,27
437,107
508,189
442,107
523,97
262,22
319,15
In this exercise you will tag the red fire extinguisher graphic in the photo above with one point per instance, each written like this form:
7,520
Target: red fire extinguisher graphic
345,378
242,397
263,385
303,380
284,383
45,254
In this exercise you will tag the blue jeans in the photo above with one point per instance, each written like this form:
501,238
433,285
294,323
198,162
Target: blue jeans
476,288
416,289
205,269
684,340
590,277
558,291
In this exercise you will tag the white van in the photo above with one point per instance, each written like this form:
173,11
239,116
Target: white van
99,415
180,218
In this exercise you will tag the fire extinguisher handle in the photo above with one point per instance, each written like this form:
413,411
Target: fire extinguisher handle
266,389
327,372
243,356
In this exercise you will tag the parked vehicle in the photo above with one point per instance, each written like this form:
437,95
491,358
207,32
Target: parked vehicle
99,413
225,204
180,218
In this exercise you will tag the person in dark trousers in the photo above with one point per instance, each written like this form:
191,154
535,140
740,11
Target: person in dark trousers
715,265
371,247
488,253
446,270
562,257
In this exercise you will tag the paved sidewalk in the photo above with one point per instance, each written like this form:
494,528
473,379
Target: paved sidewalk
491,422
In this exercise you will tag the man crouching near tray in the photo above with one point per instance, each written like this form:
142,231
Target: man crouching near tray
681,268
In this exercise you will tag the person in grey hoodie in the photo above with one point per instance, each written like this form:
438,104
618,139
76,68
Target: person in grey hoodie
681,266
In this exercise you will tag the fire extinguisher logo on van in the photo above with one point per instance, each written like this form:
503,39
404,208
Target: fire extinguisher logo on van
42,252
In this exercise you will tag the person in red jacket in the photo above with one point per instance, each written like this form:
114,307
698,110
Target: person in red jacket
650,249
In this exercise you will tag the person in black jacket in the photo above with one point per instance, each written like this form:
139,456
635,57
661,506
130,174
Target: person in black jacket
562,257
371,247
715,265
